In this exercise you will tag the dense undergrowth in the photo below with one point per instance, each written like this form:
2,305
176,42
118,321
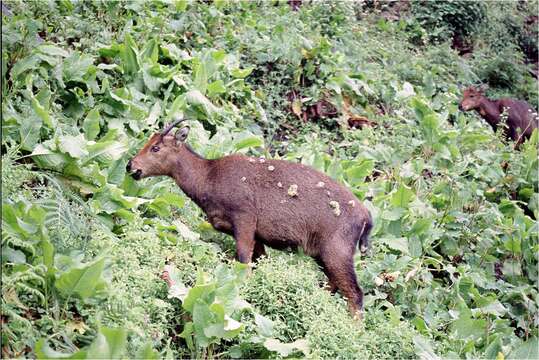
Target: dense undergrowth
95,264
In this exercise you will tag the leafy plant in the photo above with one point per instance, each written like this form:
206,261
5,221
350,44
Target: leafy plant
453,268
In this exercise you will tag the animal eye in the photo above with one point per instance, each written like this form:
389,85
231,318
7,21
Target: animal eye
155,148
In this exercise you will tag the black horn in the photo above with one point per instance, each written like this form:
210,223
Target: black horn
170,127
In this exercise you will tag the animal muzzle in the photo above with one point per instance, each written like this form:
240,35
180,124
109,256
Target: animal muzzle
135,173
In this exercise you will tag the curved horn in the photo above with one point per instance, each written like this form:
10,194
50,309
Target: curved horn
170,127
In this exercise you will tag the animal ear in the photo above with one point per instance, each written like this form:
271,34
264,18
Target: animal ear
181,135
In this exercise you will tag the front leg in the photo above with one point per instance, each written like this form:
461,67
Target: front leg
244,233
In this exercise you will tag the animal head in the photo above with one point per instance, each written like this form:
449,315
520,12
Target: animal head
472,97
159,155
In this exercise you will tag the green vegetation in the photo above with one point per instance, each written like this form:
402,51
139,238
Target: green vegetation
96,264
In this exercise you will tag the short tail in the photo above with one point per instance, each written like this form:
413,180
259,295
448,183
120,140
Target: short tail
364,243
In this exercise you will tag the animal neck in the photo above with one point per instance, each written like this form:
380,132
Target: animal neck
191,173
490,111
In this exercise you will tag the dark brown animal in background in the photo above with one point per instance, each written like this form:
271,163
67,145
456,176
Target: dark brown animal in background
267,202
521,117
359,122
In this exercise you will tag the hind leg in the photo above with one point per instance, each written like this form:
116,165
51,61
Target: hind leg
331,287
339,266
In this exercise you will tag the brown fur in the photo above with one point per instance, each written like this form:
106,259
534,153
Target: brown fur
521,120
249,198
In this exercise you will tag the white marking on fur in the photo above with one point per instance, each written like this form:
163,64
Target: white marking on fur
293,190
336,207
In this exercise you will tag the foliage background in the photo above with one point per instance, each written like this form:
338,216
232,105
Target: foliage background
453,266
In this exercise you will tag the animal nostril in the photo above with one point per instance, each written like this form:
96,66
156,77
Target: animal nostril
137,174
128,166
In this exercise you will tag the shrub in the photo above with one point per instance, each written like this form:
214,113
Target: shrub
446,19
138,299
288,289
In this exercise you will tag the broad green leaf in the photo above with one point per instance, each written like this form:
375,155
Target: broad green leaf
466,328
421,109
232,327
52,50
215,88
264,325
116,171
176,287
181,5
203,321
73,145
423,349
421,226
82,281
90,124
128,52
44,351
76,66
43,114
105,152
512,267
402,197
241,73
393,214
356,174
48,159
248,142
153,81
23,65
429,127
29,131
285,349
525,350
195,293
173,52
13,256
187,334
147,352
109,344
195,97
218,56
151,51
493,349
201,77
155,112
399,244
